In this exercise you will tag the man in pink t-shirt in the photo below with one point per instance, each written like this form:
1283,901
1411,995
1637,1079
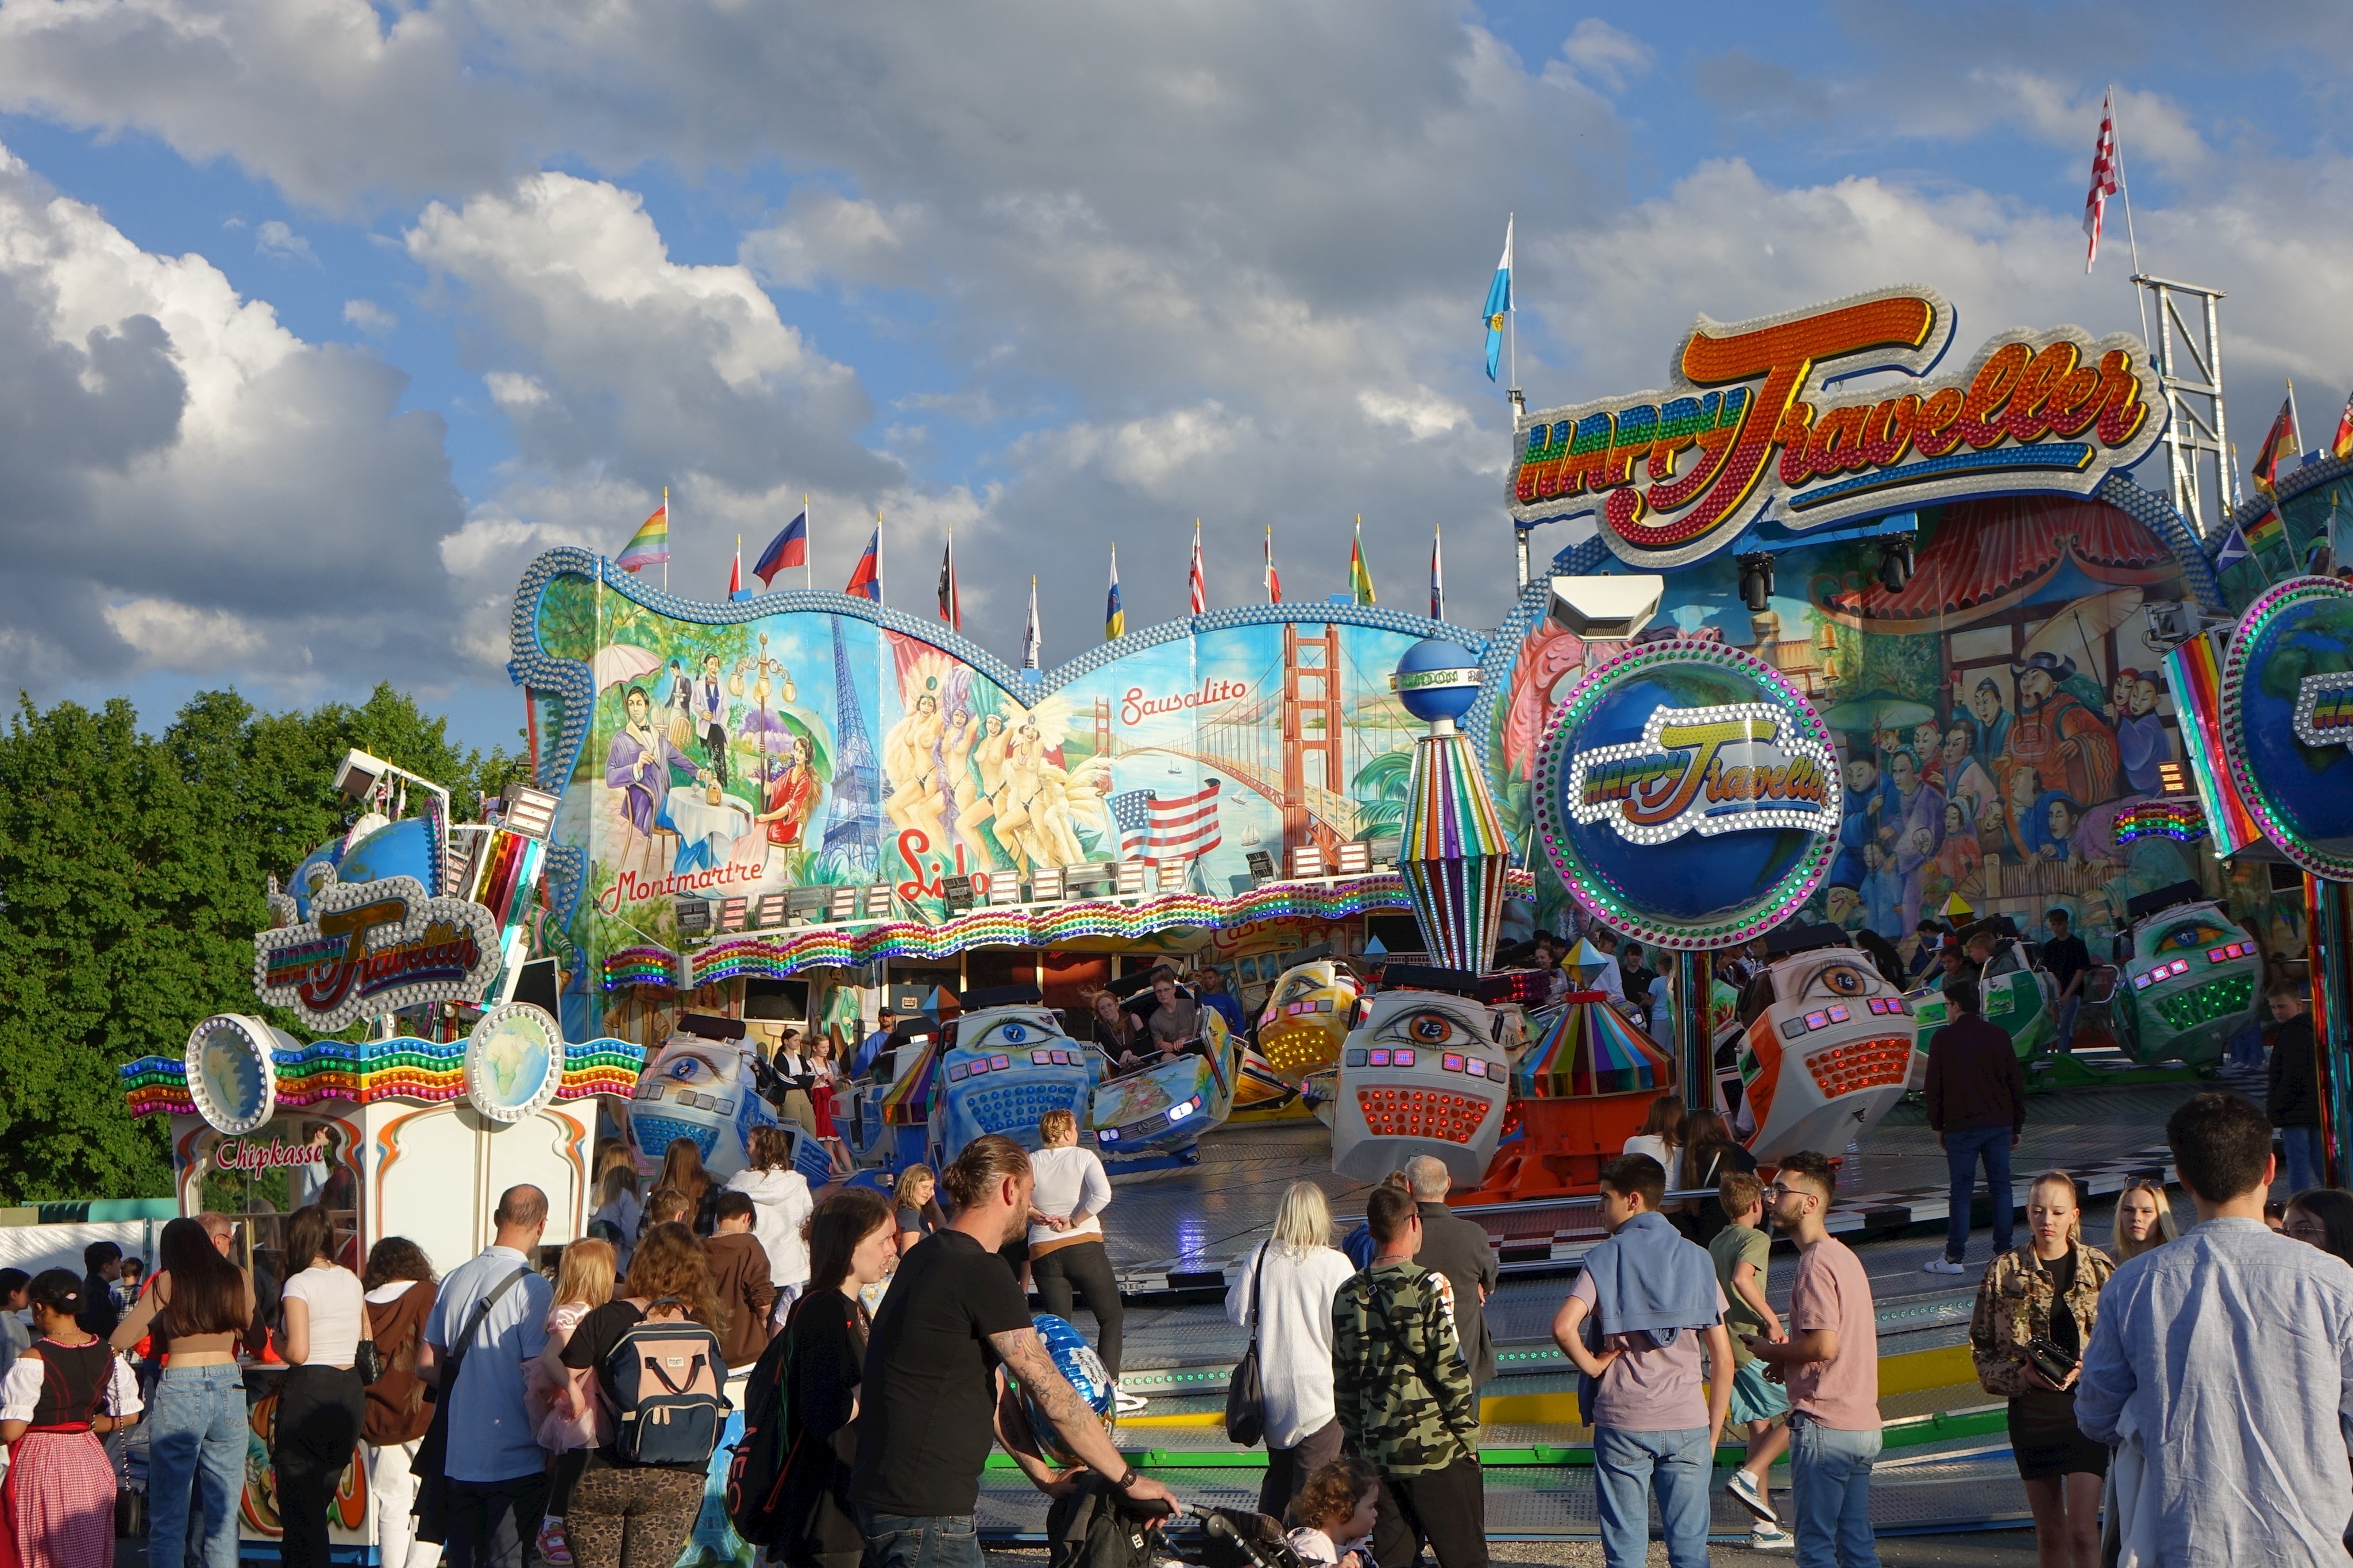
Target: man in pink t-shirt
1830,1363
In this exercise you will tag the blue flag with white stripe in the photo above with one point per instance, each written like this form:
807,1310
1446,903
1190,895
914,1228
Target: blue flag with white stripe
1499,304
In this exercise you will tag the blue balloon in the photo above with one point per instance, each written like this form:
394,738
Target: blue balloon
1437,656
1076,1361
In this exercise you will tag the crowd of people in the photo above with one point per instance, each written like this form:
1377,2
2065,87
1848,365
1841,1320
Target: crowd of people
2178,1396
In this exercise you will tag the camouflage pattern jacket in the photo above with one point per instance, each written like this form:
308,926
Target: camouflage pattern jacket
1404,1394
2015,1300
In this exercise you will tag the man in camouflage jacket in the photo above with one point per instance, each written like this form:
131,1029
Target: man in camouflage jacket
1404,1398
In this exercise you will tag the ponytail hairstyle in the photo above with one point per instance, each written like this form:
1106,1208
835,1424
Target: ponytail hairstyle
2075,1196
985,1161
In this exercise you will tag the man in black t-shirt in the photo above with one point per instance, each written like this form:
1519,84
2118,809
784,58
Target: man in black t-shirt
2069,962
952,1316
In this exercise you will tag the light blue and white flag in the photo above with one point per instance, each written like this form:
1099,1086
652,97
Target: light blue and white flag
1499,304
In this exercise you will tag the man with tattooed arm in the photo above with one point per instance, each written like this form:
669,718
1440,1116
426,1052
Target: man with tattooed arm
953,1314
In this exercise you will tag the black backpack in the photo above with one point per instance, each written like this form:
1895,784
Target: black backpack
755,1475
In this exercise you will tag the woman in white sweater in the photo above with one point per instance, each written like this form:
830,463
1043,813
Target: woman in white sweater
781,1205
1291,1277
1067,1258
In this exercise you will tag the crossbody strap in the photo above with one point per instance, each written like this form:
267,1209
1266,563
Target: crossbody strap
474,1324
1257,1284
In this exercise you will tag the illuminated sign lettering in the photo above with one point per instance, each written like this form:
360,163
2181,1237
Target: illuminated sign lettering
1747,431
375,947
1708,771
2324,710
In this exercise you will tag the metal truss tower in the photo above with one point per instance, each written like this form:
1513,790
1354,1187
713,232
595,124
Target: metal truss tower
2189,371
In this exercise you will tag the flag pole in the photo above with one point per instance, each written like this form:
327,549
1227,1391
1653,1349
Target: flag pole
1512,309
2294,429
882,593
666,522
809,546
2124,189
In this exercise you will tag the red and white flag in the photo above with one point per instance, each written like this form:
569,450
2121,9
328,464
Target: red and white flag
2106,182
1200,587
736,572
1273,578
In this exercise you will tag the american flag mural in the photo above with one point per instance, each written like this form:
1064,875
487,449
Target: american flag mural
1155,830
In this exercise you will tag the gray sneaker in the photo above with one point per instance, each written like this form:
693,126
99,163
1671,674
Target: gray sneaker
1942,1266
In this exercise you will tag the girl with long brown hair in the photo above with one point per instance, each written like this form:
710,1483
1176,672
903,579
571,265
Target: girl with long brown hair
681,1168
622,1512
852,1243
198,1309
781,1203
321,1403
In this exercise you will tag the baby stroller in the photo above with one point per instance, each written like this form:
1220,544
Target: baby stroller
1094,1527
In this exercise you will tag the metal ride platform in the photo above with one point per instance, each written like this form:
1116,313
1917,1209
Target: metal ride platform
1947,1462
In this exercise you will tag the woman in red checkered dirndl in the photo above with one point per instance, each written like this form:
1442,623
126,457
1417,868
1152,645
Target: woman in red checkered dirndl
56,1505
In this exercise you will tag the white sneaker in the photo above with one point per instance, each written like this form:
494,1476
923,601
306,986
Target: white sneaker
1942,1266
1771,1538
1745,1492
1125,1403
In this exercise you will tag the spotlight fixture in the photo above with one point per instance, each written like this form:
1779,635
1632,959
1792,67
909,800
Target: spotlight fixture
1605,607
1757,581
1895,561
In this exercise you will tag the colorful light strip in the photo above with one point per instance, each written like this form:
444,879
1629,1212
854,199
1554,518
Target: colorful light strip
2182,820
770,955
2193,670
361,1072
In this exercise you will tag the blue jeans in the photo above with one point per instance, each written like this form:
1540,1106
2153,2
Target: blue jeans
1627,1465
2305,1157
2068,1007
1829,1493
196,1465
1963,1148
893,1540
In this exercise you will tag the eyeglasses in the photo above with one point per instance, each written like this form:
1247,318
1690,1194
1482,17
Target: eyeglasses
2310,1230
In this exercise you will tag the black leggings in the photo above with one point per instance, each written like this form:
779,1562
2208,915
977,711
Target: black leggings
320,1409
1087,1265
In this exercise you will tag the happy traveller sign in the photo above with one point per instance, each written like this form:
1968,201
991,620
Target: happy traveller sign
1708,771
1748,429
371,948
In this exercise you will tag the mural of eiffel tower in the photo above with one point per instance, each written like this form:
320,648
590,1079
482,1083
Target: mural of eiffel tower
853,834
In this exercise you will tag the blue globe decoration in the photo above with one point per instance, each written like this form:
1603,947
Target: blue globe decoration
1438,677
1687,795
1075,1360
2287,720
405,848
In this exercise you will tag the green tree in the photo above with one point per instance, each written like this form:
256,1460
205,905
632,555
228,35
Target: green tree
131,879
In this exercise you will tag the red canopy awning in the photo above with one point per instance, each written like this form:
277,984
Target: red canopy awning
1986,550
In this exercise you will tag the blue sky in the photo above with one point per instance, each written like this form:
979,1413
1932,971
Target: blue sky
431,288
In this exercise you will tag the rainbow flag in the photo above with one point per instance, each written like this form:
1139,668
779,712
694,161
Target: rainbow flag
1360,576
649,546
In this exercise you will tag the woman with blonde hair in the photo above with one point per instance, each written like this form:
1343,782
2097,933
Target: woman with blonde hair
1282,1293
781,1205
569,1422
1067,1255
2143,1220
622,1512
2035,1311
915,1196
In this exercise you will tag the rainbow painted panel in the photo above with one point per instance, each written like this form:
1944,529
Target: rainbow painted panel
362,1072
2193,672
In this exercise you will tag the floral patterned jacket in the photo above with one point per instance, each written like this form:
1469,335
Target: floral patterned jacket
2015,1303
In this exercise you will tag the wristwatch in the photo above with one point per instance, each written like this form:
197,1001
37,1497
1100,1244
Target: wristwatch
1125,1481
